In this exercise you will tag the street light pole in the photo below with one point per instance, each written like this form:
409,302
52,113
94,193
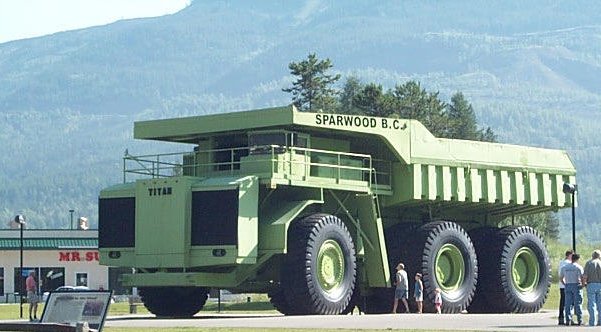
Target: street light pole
574,220
71,211
569,188
20,219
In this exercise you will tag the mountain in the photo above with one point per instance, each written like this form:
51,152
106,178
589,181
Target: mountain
532,71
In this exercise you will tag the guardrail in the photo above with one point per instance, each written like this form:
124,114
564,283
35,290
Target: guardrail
313,163
7,296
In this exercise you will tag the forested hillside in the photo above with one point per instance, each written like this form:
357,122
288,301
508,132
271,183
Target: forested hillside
532,71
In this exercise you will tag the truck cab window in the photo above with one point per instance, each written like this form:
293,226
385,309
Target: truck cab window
262,143
230,150
299,141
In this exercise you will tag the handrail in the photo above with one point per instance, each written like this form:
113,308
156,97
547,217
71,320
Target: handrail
191,163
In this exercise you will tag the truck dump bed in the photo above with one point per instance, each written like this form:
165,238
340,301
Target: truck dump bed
487,178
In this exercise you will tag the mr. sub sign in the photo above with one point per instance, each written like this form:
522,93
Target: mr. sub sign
78,256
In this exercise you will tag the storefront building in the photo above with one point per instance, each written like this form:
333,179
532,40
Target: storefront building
58,257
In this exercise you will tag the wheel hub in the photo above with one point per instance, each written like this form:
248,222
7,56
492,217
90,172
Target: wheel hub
330,265
525,270
450,267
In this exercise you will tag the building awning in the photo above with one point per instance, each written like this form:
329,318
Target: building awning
49,243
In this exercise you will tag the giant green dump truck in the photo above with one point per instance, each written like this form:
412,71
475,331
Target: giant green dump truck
318,209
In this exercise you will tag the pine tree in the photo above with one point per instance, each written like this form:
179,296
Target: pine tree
546,223
416,103
487,135
462,119
552,226
373,101
351,89
312,90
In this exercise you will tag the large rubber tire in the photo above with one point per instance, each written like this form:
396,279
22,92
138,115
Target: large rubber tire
277,298
320,266
180,302
445,256
515,273
423,248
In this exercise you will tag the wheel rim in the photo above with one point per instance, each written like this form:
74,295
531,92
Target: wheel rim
525,271
450,267
330,266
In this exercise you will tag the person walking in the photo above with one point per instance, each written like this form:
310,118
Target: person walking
402,288
592,280
562,294
571,276
438,300
32,296
418,292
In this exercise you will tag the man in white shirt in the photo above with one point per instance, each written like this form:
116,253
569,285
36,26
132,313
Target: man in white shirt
402,288
571,276
562,293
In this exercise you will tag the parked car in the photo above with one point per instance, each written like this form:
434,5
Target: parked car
66,289
72,288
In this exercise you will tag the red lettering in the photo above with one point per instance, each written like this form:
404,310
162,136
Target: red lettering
92,256
63,256
75,256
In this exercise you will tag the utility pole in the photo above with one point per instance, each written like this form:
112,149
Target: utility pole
20,219
569,188
71,211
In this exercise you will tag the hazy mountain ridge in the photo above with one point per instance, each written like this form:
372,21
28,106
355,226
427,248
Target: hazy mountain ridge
146,47
531,69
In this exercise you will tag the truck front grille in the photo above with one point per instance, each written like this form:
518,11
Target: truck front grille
214,218
116,222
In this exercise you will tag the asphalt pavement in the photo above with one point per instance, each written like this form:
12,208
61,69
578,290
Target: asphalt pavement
542,321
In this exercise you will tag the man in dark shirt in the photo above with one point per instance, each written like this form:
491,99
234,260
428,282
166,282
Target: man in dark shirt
562,294
592,279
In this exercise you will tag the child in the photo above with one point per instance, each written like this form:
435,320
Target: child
437,300
418,292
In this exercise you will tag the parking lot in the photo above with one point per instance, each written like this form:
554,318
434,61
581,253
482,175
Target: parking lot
543,321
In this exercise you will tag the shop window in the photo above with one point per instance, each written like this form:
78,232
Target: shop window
20,279
1,281
81,279
51,278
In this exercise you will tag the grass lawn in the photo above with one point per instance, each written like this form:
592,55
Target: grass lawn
11,311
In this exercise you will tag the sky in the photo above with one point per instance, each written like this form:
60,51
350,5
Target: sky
21,19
